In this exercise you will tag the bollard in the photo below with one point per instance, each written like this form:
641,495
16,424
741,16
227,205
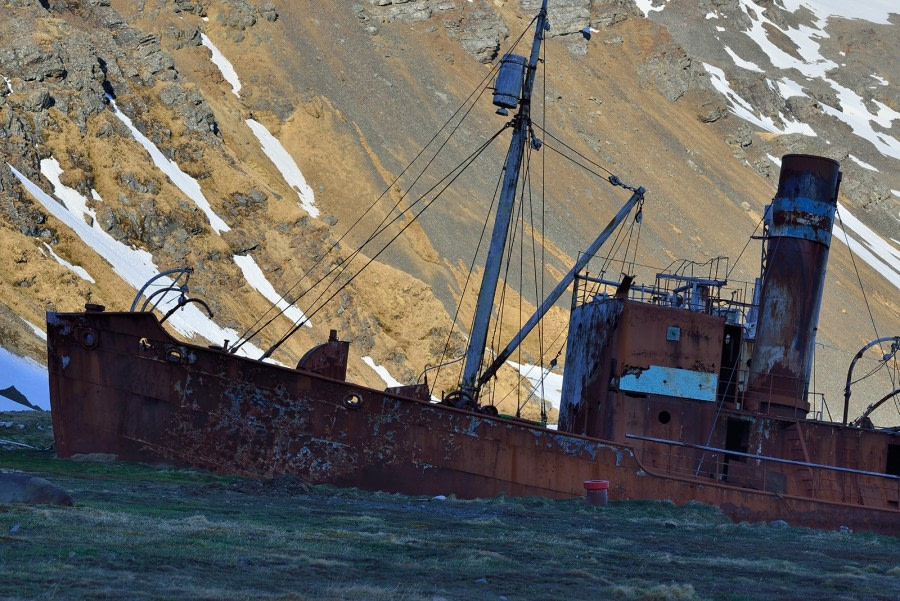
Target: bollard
597,492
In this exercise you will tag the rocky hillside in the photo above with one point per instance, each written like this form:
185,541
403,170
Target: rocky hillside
243,139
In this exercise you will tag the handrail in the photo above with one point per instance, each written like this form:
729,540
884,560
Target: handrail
762,457
894,348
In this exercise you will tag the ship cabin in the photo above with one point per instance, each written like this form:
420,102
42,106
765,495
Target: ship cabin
711,382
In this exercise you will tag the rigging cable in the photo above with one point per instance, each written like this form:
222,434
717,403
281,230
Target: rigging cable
611,179
524,377
538,278
501,305
891,375
638,217
749,239
462,168
543,231
480,240
480,88
338,271
586,158
465,287
344,265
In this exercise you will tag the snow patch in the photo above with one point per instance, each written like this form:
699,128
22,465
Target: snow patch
79,271
741,62
879,79
811,62
863,164
38,332
382,372
182,180
788,87
857,116
286,165
874,11
257,279
8,83
28,376
545,384
745,110
647,7
135,266
223,64
71,198
882,256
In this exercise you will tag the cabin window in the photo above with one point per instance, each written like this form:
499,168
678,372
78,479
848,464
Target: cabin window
664,417
893,460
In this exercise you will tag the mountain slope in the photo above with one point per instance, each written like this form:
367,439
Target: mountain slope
352,92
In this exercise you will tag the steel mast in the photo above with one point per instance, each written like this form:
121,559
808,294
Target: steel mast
521,126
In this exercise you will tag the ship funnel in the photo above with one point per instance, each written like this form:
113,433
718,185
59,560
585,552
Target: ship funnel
800,220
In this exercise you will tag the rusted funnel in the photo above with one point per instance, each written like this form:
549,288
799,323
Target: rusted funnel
597,492
800,219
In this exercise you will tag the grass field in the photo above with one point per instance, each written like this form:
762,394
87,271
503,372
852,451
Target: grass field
142,532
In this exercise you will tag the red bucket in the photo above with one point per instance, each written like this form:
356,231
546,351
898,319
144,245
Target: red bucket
597,492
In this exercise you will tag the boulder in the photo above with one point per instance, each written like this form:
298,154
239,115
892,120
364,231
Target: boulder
17,487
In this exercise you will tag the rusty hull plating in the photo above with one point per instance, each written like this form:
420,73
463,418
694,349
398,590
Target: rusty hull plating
121,385
656,399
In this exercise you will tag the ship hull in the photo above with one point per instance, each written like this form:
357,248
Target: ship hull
120,385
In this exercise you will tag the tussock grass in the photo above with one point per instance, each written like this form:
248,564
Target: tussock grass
658,592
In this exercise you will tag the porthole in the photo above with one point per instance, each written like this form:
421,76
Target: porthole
88,338
664,417
174,355
353,401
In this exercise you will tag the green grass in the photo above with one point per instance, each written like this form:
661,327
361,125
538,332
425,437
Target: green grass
143,532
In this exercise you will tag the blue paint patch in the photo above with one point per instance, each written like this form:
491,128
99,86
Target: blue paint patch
671,381
808,219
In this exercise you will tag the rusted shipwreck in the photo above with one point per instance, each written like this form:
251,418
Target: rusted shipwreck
678,389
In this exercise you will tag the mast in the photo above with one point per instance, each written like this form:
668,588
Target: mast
521,127
636,197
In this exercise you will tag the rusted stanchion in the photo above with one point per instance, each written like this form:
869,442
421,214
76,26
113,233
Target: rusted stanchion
597,492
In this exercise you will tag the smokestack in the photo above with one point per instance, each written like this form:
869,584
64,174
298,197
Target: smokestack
800,221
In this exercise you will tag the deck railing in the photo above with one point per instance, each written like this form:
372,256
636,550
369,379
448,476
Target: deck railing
773,474
685,285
